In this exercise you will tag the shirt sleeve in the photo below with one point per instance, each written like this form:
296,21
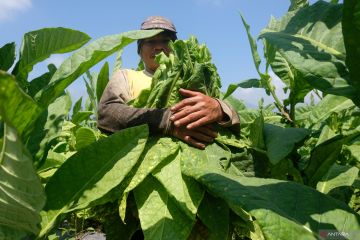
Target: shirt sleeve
231,119
114,114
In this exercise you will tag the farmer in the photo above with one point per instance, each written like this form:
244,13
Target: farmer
192,120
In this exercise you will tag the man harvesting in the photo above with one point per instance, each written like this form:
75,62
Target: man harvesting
191,120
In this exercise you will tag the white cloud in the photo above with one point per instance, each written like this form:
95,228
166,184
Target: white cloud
9,7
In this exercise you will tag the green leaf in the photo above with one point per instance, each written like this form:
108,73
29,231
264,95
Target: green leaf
102,80
237,104
92,97
281,141
86,57
354,151
253,46
118,61
214,214
21,193
293,79
186,192
328,105
257,134
326,134
250,83
157,151
40,82
337,176
310,40
103,165
324,156
81,116
47,128
16,107
160,216
283,210
188,66
351,32
265,79
297,4
84,137
40,44
7,56
77,106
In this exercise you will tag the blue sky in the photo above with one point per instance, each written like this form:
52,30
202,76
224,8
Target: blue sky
216,23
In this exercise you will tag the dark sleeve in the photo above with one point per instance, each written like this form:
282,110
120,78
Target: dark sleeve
231,119
114,114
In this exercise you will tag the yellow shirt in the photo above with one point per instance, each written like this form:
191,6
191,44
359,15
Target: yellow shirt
138,81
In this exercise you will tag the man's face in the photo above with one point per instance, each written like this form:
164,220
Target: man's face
150,47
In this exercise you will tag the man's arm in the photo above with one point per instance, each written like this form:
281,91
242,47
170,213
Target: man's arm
197,110
114,114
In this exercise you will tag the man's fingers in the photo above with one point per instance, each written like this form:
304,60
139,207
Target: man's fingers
190,118
209,131
188,93
183,103
184,112
203,137
197,123
194,142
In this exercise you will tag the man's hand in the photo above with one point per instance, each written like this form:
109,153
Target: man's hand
196,110
198,137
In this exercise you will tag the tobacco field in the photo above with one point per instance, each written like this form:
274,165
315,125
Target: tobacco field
291,173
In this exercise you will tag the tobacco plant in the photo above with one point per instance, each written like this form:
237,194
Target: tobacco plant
291,174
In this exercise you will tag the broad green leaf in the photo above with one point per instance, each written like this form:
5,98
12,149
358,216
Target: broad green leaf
351,32
184,191
103,165
188,66
354,151
324,156
86,57
326,134
337,176
281,141
21,194
102,80
81,116
285,170
40,82
237,104
250,83
47,128
77,106
84,137
310,40
40,44
328,105
283,210
297,4
294,81
7,56
16,107
157,151
257,134
160,216
214,214
53,161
